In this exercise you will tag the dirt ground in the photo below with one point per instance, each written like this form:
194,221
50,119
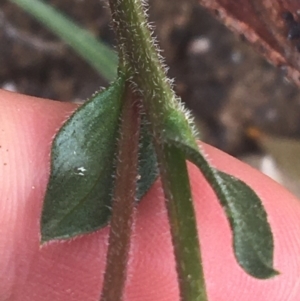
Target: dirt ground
229,87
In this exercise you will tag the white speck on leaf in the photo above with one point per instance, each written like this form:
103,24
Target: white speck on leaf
81,171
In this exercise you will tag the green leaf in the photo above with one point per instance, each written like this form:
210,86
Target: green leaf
79,191
100,56
252,236
246,214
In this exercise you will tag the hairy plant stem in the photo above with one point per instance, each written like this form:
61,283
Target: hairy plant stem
183,227
150,80
121,223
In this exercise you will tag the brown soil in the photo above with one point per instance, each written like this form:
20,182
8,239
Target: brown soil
228,86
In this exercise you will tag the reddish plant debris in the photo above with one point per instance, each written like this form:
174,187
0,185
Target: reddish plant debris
272,26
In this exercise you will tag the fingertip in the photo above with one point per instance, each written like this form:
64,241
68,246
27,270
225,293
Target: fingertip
28,125
26,130
74,269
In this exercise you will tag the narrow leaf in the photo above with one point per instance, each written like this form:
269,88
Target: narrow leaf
252,236
100,56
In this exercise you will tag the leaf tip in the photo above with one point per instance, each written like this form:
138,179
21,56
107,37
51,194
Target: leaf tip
273,273
260,271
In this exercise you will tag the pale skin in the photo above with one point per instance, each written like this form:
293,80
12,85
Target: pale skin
73,270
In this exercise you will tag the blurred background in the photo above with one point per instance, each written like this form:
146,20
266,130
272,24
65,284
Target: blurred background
242,104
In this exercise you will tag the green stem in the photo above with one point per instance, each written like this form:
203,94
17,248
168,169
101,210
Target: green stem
141,54
183,226
148,75
123,202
